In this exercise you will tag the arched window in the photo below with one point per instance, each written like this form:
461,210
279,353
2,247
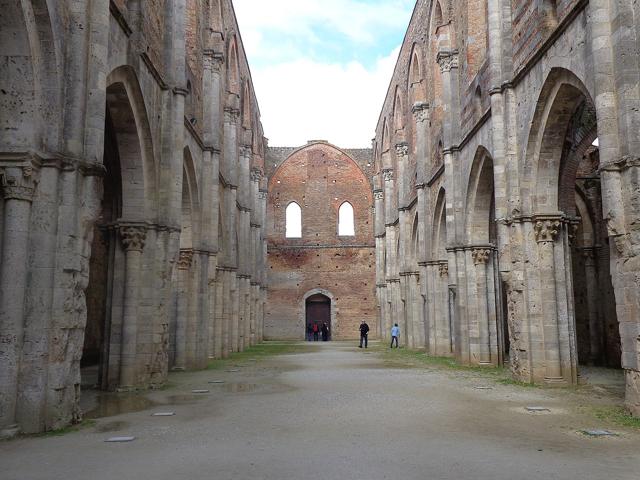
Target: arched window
346,222
293,219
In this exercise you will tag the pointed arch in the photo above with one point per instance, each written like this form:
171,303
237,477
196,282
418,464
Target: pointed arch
293,221
246,106
398,113
480,204
233,68
190,203
439,230
346,220
417,83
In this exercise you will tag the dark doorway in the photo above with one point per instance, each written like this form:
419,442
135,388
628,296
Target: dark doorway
318,310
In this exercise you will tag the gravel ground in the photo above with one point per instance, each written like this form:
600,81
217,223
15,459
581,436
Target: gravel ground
332,412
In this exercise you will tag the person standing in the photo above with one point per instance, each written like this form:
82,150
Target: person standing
395,333
309,332
364,334
325,332
316,330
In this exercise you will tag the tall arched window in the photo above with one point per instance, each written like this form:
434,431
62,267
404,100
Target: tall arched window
293,219
346,222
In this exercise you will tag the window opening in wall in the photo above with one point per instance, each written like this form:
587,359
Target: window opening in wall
293,219
346,223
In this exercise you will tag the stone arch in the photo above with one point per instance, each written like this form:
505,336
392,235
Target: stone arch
563,92
127,112
480,205
439,230
246,106
398,116
333,312
415,240
190,235
233,68
416,87
30,109
216,18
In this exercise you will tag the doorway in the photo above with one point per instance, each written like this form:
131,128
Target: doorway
318,311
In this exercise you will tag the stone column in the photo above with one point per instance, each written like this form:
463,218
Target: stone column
183,311
133,238
18,189
595,326
389,192
212,293
547,232
480,258
402,152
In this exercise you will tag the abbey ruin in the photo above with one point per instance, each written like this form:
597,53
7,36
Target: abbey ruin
144,218
507,187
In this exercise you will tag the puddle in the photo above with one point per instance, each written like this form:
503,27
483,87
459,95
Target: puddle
183,399
111,404
111,426
240,387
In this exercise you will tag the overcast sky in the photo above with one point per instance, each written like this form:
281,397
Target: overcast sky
321,68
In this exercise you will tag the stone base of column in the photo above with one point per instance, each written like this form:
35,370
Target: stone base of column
632,398
555,381
178,369
7,433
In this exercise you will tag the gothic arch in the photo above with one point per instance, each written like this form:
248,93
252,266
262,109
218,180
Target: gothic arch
130,124
439,230
480,203
559,99
233,67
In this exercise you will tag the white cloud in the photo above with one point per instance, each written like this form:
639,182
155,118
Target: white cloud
304,100
303,97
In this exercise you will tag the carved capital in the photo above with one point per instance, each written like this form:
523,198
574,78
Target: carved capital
231,115
133,237
447,61
420,111
246,150
262,195
378,195
402,149
387,174
256,175
444,269
547,230
19,183
480,256
185,259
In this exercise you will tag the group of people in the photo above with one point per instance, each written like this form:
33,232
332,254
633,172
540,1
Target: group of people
314,331
364,334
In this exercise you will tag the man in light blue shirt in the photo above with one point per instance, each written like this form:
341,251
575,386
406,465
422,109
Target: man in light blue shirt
395,333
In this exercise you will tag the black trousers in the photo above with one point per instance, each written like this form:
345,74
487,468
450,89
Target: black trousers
364,337
315,336
394,339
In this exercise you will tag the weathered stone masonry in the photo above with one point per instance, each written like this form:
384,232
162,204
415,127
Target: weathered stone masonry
507,187
133,199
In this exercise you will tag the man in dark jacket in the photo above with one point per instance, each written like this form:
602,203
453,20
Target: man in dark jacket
364,334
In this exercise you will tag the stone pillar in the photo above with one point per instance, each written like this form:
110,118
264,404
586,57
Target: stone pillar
390,209
18,189
480,259
595,326
212,293
547,232
133,238
402,152
183,311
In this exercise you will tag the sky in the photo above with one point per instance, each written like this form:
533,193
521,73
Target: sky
321,68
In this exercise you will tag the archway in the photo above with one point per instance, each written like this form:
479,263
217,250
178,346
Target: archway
110,341
318,312
573,252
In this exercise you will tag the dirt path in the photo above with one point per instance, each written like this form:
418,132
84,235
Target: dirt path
332,412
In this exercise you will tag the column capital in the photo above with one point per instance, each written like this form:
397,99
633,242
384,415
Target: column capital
256,175
387,174
378,194
480,256
133,237
18,183
448,60
245,150
547,230
231,115
444,269
402,149
185,259
420,111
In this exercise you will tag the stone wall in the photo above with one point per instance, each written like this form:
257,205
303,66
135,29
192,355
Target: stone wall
506,242
319,178
134,200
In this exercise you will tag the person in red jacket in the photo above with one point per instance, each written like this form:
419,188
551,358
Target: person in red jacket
316,330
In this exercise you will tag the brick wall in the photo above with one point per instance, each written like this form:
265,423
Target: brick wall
320,178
